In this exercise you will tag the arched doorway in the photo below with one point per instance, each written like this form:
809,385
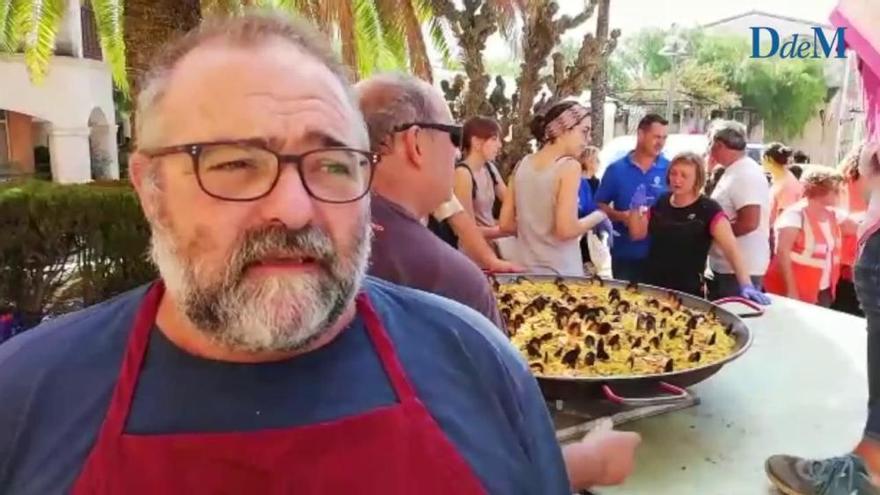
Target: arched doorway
101,139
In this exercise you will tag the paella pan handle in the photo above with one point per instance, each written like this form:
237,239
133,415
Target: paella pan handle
758,309
678,394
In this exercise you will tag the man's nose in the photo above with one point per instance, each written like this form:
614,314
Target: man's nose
289,202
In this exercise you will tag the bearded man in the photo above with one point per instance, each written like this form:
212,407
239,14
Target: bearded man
264,361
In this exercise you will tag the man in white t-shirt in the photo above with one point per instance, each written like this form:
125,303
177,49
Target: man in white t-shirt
744,194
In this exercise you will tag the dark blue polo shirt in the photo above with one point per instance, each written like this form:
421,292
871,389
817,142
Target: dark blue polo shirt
618,184
56,381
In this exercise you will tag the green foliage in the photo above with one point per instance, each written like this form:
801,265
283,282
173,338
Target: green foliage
84,243
33,25
726,53
506,67
706,82
787,94
639,57
109,19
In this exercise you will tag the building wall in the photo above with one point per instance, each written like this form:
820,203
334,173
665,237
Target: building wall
21,144
71,91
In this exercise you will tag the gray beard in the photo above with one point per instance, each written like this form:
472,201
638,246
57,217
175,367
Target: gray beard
286,312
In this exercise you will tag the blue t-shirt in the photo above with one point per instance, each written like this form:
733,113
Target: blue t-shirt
586,205
618,184
56,381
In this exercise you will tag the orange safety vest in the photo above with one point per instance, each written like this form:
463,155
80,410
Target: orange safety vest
854,202
808,258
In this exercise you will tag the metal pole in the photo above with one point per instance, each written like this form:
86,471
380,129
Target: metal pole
843,109
669,93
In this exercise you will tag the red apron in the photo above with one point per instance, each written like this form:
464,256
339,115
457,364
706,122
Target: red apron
395,449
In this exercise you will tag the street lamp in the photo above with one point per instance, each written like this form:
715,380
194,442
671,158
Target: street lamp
674,48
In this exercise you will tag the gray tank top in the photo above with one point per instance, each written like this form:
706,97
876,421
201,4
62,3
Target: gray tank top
537,248
484,198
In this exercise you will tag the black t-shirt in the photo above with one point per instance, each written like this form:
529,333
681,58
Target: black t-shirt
680,242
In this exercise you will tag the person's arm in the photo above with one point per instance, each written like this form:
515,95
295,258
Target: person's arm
507,218
637,223
614,215
464,189
474,245
605,197
602,458
748,219
566,223
722,234
787,237
849,223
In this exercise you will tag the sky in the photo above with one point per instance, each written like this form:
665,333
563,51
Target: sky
633,15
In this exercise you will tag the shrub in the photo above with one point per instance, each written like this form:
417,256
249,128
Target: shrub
69,245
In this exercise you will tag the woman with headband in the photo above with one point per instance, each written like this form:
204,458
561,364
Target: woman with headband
541,205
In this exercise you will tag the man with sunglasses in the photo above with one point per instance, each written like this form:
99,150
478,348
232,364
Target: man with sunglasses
264,361
411,128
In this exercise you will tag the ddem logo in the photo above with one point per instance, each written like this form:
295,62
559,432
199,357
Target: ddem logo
800,45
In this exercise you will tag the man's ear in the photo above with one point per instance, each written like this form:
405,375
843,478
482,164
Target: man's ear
138,169
411,146
139,172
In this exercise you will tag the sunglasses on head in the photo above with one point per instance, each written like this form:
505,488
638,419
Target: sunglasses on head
454,131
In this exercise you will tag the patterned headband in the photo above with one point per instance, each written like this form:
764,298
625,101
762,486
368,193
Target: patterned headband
565,121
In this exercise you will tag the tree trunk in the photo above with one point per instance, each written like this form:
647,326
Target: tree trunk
540,34
149,24
599,86
350,55
420,64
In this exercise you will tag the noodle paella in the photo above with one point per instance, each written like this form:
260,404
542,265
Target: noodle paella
581,328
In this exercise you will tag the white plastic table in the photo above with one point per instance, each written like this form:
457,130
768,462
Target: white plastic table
801,389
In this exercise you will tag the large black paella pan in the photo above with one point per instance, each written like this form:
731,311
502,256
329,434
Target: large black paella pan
631,387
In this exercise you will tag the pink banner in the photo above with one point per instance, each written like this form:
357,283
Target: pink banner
858,16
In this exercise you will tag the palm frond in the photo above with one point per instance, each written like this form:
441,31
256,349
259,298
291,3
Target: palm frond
7,24
506,12
392,32
368,36
438,30
109,23
37,25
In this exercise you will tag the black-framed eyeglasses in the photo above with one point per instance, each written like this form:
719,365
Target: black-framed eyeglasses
247,170
453,130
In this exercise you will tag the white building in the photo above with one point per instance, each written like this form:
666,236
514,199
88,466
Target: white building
71,112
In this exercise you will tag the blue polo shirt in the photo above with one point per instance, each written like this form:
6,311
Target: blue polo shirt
618,185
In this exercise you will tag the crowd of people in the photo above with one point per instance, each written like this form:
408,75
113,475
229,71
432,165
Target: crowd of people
265,357
764,227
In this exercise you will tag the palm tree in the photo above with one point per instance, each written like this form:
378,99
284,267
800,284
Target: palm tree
372,34
32,26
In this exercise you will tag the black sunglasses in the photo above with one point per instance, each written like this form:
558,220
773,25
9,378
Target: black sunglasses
453,130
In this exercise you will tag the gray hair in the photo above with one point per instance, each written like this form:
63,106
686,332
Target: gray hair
731,134
245,31
390,100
